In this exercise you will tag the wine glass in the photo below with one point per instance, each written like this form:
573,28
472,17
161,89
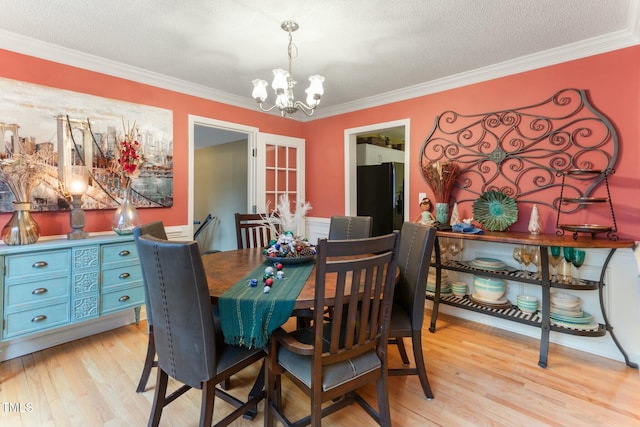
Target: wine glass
443,245
527,257
455,247
577,261
517,255
537,262
568,254
554,259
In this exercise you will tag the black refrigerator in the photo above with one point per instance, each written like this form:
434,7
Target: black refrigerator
381,196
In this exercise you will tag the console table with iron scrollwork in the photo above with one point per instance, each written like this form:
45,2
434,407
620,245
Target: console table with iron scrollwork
541,318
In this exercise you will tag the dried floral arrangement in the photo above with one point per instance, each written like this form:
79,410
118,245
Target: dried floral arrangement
284,224
23,171
129,160
441,176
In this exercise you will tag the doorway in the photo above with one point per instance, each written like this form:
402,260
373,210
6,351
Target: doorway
222,175
400,130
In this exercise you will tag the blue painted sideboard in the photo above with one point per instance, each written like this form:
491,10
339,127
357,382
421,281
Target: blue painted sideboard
57,284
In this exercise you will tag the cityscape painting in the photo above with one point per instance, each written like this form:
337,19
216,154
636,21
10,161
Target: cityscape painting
81,129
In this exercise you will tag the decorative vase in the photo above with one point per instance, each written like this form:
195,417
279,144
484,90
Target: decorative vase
442,212
535,225
455,215
21,228
126,217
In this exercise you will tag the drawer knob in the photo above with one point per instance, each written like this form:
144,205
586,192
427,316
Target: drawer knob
39,318
124,253
39,291
124,275
39,264
124,298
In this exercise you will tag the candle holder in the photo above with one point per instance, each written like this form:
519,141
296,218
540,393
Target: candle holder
76,182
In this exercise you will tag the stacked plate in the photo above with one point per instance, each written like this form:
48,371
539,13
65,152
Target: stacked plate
488,264
566,310
445,287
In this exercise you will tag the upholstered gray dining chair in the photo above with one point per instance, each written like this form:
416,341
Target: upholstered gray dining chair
407,315
330,361
190,349
350,227
155,229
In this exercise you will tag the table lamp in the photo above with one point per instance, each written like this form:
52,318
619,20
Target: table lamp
76,183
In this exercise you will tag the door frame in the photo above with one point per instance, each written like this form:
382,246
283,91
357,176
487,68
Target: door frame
252,137
350,163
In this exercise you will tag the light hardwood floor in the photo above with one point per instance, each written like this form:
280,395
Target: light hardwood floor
480,376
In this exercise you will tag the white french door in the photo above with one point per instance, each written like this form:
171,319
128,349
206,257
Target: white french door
279,170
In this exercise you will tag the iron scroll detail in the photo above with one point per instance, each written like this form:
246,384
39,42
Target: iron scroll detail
532,145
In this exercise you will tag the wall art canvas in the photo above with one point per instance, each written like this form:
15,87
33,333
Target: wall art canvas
85,129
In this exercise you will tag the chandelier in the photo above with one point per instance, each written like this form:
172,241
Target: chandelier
283,84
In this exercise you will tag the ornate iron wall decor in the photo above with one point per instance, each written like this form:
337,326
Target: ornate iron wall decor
524,151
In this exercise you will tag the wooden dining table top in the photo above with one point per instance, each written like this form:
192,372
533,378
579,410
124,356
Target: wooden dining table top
224,269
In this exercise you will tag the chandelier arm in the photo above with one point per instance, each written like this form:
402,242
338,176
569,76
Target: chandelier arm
304,108
266,110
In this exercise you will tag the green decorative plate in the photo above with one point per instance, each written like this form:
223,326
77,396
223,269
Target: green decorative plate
495,211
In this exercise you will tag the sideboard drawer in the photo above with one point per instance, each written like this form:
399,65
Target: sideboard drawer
120,276
117,253
38,265
123,298
36,292
37,319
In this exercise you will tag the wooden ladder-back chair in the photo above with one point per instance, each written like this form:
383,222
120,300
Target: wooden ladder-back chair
330,361
407,315
189,347
251,231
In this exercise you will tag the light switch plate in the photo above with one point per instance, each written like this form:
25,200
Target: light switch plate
421,196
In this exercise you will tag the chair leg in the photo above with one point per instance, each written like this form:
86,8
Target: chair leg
149,362
384,410
420,366
158,398
402,350
206,406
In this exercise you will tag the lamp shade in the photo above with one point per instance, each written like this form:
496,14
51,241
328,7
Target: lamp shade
259,90
76,180
280,83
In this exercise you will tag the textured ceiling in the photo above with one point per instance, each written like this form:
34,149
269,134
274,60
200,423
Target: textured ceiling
368,50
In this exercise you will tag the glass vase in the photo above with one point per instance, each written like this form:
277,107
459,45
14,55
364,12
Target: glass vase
442,213
126,217
21,228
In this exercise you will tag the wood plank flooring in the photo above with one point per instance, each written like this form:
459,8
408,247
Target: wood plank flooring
481,376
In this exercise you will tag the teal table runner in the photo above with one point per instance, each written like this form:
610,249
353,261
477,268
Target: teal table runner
249,316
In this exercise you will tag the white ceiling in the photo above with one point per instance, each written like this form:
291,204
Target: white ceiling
370,51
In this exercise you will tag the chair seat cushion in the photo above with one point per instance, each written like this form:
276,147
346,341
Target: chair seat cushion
335,374
400,324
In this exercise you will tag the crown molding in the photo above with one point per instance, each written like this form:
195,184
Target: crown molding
613,41
570,52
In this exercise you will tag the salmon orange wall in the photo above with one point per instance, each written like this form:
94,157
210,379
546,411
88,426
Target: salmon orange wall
29,69
612,81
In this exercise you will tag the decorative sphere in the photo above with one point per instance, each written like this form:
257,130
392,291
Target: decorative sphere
267,289
280,274
279,266
268,282
269,271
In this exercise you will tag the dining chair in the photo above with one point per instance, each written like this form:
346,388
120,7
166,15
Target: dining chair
190,349
155,229
414,255
330,360
350,227
251,231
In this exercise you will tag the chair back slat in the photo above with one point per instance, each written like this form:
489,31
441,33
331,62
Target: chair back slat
364,269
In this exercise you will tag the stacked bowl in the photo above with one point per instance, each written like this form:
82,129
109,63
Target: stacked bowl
489,290
527,303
